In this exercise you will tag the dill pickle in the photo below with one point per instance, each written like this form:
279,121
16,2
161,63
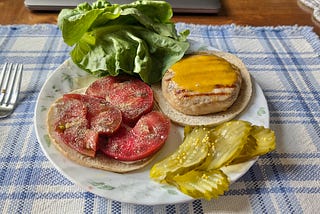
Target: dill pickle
187,130
246,151
195,167
191,153
260,141
229,139
202,184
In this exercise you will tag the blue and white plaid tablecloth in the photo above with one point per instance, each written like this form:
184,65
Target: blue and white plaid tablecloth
285,61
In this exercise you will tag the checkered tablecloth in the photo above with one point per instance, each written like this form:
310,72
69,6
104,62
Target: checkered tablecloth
284,60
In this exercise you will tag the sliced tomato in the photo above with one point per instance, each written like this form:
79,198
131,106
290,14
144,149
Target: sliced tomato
81,138
151,126
131,95
146,138
72,126
101,86
94,105
106,122
68,109
103,117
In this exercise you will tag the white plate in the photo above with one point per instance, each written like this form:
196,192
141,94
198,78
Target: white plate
135,187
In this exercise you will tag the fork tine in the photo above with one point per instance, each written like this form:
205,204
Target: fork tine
4,81
2,74
17,83
14,88
10,83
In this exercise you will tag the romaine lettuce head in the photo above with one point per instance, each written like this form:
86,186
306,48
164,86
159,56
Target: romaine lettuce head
137,38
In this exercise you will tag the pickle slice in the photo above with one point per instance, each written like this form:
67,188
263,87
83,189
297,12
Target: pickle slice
195,167
202,184
260,141
229,139
246,151
187,130
191,153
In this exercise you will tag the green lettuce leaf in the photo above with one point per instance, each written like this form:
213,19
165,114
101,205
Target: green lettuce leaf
137,38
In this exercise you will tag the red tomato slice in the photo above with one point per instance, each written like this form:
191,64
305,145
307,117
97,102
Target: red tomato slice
81,138
106,122
101,86
146,138
72,126
68,110
132,96
103,117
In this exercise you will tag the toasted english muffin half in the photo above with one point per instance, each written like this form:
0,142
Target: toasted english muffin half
193,108
100,161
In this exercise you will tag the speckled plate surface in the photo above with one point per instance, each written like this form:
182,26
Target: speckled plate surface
134,187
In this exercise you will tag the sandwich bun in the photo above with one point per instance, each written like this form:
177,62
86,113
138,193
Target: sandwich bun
186,107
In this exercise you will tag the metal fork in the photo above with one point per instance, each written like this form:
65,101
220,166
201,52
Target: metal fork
10,81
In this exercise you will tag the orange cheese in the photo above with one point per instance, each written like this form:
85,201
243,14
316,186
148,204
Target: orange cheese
202,73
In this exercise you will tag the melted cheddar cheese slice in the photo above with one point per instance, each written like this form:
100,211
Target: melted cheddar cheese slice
203,73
